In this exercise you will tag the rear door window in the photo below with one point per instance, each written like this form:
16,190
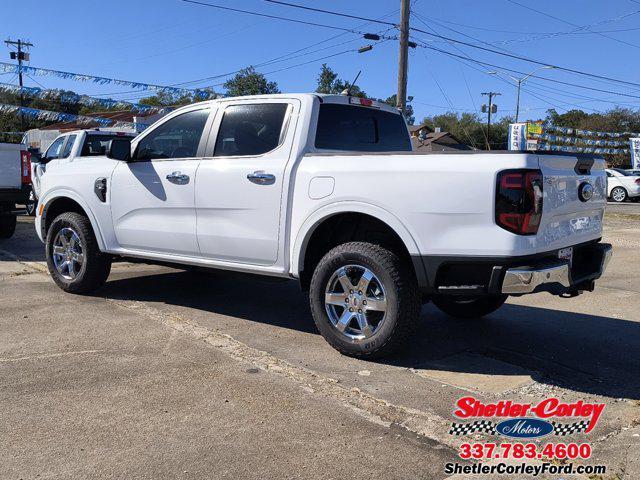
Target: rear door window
251,129
361,129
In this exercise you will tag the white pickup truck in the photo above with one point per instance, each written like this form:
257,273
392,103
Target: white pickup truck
327,190
15,184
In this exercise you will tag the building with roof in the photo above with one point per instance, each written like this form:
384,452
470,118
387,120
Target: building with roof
426,139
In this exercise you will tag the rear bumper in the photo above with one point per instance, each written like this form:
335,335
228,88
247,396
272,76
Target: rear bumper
557,277
543,272
15,195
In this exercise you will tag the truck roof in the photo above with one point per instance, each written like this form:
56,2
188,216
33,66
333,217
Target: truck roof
93,131
324,98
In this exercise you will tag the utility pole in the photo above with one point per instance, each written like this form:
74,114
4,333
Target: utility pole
491,109
20,56
403,58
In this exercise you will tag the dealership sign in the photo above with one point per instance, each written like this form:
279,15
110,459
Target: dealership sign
518,136
635,153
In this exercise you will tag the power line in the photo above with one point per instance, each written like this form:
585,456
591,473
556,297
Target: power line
275,17
572,24
448,100
329,12
479,62
517,57
525,59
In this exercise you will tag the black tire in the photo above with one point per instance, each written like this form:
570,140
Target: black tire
95,267
32,203
7,225
469,308
399,290
624,196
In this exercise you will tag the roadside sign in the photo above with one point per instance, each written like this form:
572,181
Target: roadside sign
534,128
635,153
517,136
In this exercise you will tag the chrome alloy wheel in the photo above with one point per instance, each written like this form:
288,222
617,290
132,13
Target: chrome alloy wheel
618,194
68,254
355,302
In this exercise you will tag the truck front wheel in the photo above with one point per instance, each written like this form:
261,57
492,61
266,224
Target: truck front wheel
364,300
74,259
469,308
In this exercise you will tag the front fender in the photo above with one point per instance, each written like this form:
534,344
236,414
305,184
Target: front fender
318,216
58,193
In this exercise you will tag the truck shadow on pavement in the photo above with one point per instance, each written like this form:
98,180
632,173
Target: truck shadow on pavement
586,353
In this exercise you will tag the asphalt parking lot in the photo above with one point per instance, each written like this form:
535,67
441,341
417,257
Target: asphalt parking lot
167,373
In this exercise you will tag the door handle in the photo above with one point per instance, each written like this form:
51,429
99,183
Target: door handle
261,178
178,177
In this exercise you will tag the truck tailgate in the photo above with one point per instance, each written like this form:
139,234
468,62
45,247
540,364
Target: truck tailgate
575,196
10,165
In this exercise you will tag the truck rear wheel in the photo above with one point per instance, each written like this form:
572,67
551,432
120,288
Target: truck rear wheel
74,259
364,300
469,308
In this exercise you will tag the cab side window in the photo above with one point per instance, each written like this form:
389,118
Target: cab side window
71,139
95,145
53,151
175,138
251,129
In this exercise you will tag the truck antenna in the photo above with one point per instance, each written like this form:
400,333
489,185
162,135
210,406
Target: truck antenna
352,84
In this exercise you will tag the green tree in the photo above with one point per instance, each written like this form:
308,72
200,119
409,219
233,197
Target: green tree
408,114
328,82
471,129
250,82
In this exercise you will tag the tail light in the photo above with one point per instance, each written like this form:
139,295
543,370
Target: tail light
25,167
519,201
638,181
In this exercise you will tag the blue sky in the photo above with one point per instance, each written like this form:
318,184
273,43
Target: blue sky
169,41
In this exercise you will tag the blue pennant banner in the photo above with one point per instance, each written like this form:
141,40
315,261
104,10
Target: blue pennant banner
69,117
577,140
199,94
588,133
572,149
70,97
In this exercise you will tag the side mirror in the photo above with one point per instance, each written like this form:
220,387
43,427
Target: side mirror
119,149
36,157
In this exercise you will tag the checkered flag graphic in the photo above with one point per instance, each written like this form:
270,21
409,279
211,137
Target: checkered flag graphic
483,426
563,429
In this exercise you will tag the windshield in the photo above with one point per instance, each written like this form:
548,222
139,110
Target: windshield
624,172
361,129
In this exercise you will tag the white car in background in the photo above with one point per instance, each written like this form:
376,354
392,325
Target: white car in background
621,184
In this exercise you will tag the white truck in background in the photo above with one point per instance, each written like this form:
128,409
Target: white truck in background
64,149
326,189
15,184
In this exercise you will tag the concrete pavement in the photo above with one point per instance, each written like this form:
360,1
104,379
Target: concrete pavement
172,374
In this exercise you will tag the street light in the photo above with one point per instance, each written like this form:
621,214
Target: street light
520,81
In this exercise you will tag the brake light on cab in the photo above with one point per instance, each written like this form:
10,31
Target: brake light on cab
365,102
519,201
25,167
